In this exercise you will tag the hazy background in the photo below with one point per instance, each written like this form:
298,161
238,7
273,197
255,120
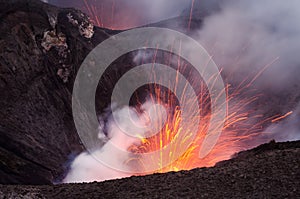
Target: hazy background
124,14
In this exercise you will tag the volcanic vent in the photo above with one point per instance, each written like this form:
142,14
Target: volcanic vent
46,45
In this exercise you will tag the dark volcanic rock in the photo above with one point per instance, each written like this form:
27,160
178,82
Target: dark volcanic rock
268,171
41,49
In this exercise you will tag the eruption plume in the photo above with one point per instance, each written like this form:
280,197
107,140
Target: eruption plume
256,46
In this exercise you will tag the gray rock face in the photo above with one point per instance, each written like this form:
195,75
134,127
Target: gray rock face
40,52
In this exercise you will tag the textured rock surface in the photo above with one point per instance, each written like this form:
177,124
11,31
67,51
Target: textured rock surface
40,52
268,171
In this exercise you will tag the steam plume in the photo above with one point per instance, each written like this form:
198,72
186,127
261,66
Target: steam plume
86,167
246,37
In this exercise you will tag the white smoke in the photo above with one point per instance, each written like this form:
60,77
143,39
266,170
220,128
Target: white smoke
248,35
121,134
86,168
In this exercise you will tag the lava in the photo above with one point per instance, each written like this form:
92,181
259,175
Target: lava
238,132
229,143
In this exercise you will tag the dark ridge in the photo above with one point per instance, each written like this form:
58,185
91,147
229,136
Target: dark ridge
268,171
36,124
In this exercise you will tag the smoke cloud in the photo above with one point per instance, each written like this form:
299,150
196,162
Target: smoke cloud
87,167
250,37
246,36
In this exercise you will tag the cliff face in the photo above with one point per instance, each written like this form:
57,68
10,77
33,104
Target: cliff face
41,48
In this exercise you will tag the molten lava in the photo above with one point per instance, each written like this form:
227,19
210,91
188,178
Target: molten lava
229,143
241,129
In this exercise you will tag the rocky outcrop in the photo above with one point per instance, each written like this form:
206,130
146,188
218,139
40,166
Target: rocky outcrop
41,48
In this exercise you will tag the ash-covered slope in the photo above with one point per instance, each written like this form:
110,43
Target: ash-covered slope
268,171
41,48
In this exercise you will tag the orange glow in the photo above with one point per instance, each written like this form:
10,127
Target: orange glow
236,129
242,127
227,145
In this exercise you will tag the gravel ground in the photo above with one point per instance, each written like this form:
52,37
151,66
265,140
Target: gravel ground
268,171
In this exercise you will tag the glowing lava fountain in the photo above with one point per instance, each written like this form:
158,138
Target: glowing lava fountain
238,132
